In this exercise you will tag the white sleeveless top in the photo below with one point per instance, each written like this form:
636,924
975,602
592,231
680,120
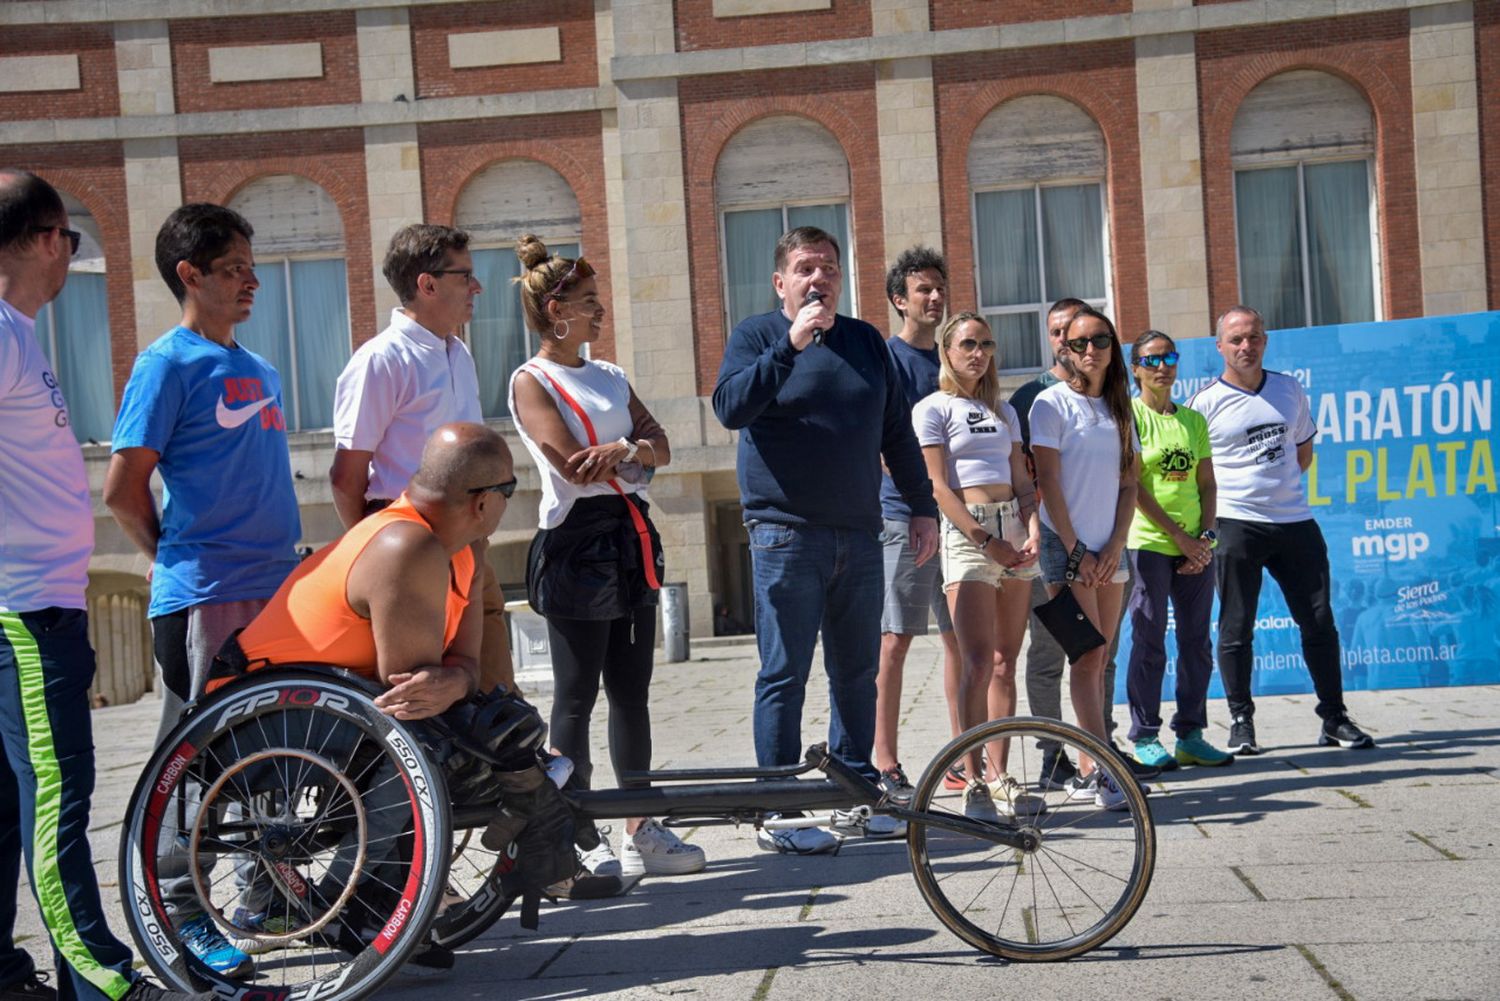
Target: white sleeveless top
603,392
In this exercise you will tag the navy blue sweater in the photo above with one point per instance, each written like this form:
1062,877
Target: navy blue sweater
814,425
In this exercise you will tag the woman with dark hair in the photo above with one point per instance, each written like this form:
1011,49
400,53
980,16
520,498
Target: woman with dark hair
1087,465
595,566
1171,551
971,441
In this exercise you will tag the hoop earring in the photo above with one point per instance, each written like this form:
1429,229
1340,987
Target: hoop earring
565,331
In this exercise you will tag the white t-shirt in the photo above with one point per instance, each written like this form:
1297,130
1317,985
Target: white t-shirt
976,441
603,392
399,387
1087,441
46,518
1255,438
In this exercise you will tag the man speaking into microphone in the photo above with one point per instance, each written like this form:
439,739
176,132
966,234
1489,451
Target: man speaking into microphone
816,399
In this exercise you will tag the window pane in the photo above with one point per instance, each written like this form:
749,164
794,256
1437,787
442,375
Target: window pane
830,219
497,334
1338,242
1018,337
749,248
265,332
1073,238
320,310
1008,273
80,321
1270,250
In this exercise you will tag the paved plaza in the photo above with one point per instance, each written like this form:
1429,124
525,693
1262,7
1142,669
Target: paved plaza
1307,873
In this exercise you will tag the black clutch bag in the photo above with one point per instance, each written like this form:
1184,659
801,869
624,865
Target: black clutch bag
1064,618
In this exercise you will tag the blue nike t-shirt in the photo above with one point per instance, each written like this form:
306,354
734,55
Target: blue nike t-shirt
918,371
229,521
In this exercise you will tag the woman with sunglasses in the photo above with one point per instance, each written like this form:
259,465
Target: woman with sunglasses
971,441
1086,453
1171,550
595,566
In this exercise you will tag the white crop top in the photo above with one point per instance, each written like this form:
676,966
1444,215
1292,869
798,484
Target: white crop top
976,441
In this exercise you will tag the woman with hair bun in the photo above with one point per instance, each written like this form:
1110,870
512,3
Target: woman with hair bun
595,566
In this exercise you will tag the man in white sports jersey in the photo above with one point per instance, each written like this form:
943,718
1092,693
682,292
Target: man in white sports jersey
1261,430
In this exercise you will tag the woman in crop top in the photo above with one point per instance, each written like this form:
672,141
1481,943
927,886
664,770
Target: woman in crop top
971,440
594,568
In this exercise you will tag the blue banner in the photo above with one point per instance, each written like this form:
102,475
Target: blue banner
1403,484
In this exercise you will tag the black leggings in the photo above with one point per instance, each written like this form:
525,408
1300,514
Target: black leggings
620,651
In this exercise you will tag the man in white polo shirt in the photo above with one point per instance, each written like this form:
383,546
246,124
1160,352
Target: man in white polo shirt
406,382
1261,430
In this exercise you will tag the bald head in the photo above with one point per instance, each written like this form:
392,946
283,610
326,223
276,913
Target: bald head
459,458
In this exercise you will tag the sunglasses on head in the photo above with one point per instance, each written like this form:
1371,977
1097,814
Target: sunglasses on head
503,489
970,344
1079,345
1169,358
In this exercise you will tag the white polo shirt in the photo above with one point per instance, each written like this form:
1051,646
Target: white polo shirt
399,387
46,519
1255,438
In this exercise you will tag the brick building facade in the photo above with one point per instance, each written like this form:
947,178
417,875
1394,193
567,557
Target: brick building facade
610,125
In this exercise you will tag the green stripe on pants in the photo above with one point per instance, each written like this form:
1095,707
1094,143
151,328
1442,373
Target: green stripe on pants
47,881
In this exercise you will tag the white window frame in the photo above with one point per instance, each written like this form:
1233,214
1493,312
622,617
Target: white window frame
289,381
1040,309
1301,163
846,265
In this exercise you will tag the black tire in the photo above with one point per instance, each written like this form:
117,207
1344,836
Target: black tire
316,804
473,899
1084,881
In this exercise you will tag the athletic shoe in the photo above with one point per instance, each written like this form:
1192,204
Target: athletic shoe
797,840
600,860
1151,754
956,778
979,804
270,924
1192,749
1144,773
204,940
1011,798
584,885
654,850
897,788
145,990
33,988
1080,787
846,824
1109,796
1057,770
1242,736
1341,731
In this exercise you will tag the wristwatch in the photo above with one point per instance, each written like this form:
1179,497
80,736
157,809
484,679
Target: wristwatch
1211,537
630,448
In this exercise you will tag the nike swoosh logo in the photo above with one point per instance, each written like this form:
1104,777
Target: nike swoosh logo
975,418
234,418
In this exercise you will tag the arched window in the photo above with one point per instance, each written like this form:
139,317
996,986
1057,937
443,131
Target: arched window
1036,170
774,175
300,323
496,206
1304,201
74,332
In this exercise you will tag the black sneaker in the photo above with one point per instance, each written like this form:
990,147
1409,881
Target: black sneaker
897,788
33,988
145,990
1341,731
1143,772
1242,736
1057,770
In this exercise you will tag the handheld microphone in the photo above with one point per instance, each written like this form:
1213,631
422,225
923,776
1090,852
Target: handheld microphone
815,296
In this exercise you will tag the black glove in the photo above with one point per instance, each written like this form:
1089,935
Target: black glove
534,815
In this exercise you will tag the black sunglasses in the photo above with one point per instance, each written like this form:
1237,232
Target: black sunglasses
1157,361
467,273
503,489
1079,345
74,237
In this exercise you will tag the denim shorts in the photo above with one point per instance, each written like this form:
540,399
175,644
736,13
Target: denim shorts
962,560
1054,561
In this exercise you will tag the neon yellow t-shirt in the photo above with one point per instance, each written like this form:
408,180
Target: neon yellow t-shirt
1172,445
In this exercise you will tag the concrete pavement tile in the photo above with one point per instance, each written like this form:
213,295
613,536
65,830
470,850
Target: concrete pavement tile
1437,879
1448,970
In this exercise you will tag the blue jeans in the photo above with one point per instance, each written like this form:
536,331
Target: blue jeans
810,578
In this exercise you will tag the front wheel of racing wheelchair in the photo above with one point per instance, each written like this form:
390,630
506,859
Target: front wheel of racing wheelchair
311,828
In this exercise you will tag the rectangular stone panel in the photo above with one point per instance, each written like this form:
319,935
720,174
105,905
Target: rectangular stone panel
24,74
246,63
748,8
473,49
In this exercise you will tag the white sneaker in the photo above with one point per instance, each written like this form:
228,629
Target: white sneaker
600,860
979,804
1011,798
654,850
797,840
1110,796
846,824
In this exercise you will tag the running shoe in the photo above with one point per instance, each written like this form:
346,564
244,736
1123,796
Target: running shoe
979,804
145,990
797,840
1057,770
600,860
1192,749
1152,754
204,940
956,778
1109,796
1012,799
32,988
264,922
1242,736
1341,730
897,788
1080,787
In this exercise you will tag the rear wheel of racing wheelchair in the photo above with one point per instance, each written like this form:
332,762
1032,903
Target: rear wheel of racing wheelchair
1086,875
312,830
473,899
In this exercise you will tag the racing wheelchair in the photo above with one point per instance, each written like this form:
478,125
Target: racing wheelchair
318,834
